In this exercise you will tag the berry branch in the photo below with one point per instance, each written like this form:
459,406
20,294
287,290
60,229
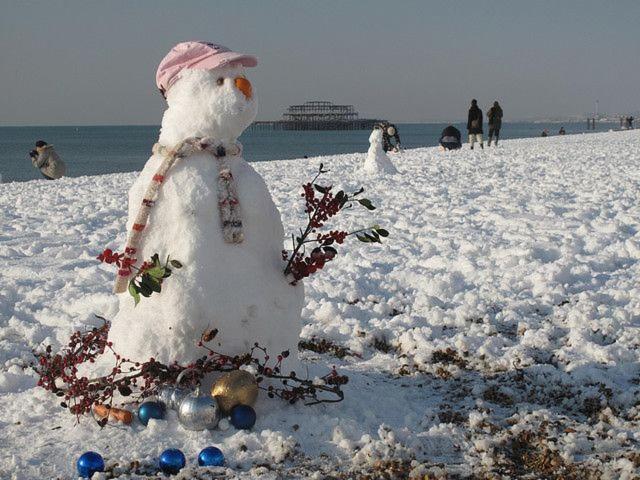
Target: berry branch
60,374
319,211
149,276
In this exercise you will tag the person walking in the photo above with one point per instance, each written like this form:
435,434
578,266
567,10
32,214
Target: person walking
494,117
474,124
45,159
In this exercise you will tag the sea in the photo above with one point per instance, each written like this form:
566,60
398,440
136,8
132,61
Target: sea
96,150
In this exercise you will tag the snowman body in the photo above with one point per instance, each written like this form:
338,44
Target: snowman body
377,160
237,288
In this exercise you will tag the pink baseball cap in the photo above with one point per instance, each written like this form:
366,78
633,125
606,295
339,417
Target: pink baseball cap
197,55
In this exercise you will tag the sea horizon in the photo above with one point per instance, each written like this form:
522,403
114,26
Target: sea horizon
100,149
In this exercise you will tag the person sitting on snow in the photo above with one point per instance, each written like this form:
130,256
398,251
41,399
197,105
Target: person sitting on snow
450,138
389,130
562,131
45,158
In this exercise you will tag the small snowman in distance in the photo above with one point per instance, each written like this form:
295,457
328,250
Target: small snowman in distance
377,160
198,201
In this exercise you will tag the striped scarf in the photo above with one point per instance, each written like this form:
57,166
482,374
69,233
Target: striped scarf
228,204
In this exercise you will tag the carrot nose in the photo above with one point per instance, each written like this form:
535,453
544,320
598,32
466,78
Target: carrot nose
244,86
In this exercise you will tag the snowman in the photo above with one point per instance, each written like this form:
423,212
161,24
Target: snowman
199,202
377,160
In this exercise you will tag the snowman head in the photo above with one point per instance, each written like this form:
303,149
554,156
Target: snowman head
376,136
207,92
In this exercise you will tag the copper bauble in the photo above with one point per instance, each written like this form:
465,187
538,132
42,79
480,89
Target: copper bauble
235,388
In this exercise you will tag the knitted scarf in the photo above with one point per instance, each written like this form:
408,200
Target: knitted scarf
228,204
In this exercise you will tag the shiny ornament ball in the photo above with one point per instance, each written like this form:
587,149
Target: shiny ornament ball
177,397
243,417
198,412
149,410
172,461
211,457
89,463
171,396
235,388
164,395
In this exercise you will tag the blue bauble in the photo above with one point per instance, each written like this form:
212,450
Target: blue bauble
243,417
211,457
90,463
150,410
172,461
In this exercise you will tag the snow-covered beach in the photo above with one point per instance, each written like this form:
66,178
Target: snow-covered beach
496,331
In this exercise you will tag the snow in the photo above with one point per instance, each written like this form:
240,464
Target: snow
377,159
501,316
238,289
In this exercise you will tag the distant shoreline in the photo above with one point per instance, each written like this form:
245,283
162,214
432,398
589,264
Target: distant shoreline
142,125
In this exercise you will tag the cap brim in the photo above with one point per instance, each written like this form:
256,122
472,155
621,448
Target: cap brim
225,59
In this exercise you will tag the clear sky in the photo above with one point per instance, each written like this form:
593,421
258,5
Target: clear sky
80,62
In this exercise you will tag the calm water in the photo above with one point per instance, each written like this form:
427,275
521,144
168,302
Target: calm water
110,149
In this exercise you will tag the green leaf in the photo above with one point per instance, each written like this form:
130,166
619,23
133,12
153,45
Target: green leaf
362,238
133,291
321,189
151,283
366,203
330,249
145,290
373,237
155,259
155,272
176,264
382,232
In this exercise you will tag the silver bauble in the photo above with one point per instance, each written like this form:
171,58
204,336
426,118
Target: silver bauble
177,396
198,412
171,396
164,395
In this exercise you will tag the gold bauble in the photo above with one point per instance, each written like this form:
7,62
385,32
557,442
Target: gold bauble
235,388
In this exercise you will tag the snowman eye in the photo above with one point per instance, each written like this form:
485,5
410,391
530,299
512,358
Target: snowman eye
220,81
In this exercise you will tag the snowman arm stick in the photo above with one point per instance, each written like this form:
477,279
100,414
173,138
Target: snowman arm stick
133,239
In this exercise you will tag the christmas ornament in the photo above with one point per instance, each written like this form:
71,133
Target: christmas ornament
235,388
243,417
172,461
171,396
89,463
198,412
149,410
211,457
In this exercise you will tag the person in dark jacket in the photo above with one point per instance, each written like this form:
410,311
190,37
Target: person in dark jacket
389,131
474,124
494,117
450,138
562,131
